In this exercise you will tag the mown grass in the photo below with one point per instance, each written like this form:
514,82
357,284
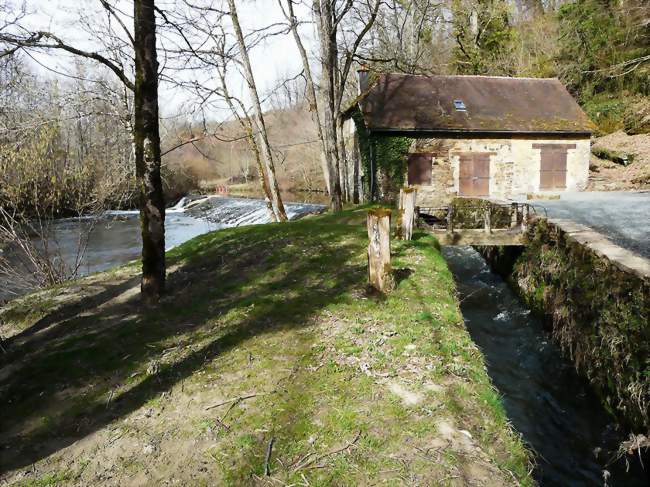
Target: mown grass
276,323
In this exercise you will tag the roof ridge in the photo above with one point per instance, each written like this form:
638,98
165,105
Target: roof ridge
471,76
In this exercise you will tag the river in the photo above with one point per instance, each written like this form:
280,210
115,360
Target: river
114,238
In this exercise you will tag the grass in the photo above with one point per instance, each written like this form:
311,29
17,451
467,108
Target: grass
268,333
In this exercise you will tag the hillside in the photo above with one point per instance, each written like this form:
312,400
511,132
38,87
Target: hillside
293,136
607,173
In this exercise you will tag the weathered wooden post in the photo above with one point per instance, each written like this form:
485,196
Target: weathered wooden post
488,218
406,216
524,217
513,215
450,218
379,270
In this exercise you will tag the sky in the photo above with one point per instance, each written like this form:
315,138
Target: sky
275,59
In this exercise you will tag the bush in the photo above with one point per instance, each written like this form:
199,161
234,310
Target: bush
637,117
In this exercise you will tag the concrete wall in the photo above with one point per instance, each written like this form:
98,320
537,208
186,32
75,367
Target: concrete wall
514,165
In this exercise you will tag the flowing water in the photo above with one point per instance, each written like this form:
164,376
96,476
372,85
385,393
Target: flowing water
555,411
114,239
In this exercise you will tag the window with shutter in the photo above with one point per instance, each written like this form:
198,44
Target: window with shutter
419,168
553,158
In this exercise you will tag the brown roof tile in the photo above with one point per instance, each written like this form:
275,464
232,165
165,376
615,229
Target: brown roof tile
405,103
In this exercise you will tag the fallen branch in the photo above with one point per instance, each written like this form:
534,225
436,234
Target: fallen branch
328,454
235,400
267,459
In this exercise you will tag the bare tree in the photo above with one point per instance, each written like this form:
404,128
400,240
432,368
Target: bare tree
147,150
312,99
145,130
338,48
262,136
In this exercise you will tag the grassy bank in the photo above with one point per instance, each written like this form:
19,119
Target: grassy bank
269,355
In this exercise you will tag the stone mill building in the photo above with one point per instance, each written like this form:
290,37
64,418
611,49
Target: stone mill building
480,136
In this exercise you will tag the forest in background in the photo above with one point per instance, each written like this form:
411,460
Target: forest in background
600,49
65,143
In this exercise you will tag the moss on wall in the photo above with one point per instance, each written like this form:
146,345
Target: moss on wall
383,175
470,213
598,313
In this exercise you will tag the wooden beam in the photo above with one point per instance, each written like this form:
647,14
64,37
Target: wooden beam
479,237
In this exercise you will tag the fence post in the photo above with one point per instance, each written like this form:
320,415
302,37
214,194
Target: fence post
513,215
407,212
524,217
488,220
450,218
379,269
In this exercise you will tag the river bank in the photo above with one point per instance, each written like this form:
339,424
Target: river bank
268,355
113,238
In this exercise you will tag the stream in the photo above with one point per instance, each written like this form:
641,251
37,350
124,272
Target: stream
555,411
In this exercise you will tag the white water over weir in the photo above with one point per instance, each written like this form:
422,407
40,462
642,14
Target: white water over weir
233,212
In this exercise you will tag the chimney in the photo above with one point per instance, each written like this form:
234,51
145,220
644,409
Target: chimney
363,73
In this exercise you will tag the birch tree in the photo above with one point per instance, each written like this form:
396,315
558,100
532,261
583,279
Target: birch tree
260,126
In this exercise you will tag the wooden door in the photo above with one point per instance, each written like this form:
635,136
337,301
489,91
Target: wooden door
553,158
419,168
474,174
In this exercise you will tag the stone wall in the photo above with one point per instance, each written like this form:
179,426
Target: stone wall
595,297
514,165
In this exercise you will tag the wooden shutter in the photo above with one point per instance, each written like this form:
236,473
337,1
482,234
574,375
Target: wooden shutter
419,168
553,159
474,174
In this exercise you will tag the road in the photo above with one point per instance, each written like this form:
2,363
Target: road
624,217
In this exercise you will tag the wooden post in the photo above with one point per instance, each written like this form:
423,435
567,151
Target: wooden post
524,217
379,270
450,218
513,215
488,219
406,213
407,200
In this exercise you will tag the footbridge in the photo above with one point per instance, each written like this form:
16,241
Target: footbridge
477,222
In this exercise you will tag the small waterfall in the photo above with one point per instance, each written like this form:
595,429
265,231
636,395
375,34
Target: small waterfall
233,212
178,207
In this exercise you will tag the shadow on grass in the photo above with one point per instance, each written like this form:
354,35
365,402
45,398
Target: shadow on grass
227,287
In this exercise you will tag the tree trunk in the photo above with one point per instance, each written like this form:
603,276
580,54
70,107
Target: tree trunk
265,146
247,126
343,158
147,152
327,38
311,93
355,169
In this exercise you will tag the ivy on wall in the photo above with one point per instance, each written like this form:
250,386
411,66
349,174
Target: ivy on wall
383,174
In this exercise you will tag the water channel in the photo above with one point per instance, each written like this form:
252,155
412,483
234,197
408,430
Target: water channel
557,414
555,410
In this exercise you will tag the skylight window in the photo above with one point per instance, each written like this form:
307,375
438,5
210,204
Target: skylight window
460,106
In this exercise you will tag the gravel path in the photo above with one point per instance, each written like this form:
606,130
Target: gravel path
624,217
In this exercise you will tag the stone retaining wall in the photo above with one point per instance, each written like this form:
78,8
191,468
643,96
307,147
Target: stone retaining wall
595,296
